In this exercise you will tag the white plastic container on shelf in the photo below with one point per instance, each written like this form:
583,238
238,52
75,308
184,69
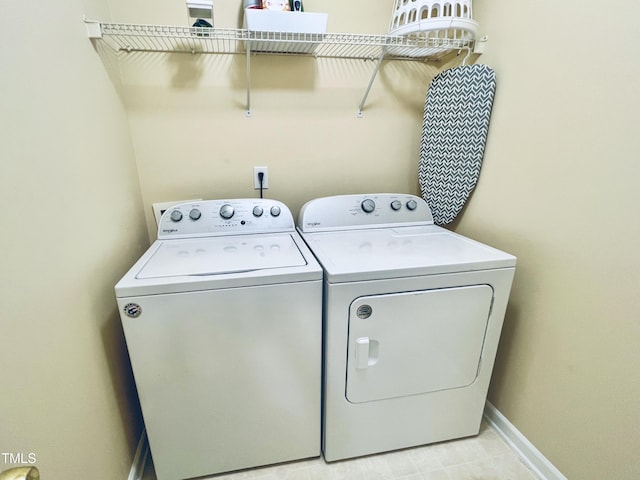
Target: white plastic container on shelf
434,19
284,32
287,22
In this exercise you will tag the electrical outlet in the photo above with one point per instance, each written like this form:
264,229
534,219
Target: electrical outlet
160,208
265,178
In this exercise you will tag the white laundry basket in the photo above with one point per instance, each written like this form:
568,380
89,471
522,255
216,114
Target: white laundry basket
434,19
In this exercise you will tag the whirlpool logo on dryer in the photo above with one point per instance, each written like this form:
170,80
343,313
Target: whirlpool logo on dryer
169,230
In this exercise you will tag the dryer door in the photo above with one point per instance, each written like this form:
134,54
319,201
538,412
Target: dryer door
416,342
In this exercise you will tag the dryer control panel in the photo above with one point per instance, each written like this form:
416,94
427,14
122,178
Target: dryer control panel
225,217
346,212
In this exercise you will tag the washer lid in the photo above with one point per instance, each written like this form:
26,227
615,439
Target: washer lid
221,255
400,252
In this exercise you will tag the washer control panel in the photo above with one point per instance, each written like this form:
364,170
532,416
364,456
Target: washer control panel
377,210
225,217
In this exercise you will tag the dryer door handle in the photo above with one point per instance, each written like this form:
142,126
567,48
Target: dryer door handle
366,352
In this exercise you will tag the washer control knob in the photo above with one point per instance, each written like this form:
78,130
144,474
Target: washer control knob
226,211
257,211
195,214
275,210
368,205
412,204
396,205
176,215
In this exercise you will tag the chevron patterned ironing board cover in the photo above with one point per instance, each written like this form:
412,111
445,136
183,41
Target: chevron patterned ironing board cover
456,121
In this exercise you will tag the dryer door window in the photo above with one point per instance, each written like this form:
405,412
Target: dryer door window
416,342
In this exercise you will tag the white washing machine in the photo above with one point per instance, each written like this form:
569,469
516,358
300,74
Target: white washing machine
222,319
412,317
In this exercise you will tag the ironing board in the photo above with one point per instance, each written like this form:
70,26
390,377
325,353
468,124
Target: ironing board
456,121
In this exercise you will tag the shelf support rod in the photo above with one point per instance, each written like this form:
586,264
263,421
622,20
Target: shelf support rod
248,48
366,93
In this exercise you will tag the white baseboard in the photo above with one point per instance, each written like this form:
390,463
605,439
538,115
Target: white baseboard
140,458
529,454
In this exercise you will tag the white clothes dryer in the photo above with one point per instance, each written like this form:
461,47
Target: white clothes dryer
222,319
412,318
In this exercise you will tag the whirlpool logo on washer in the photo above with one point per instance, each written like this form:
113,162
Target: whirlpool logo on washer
132,310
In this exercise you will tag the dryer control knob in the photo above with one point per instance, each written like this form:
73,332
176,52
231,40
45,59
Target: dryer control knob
226,211
176,216
412,204
275,210
257,211
368,205
396,205
195,214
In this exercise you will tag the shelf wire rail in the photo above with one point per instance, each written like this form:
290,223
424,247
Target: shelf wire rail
183,39
166,38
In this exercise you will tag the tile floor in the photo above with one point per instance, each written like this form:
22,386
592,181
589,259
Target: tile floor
485,457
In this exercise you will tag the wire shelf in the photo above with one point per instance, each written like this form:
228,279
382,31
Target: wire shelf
165,38
123,37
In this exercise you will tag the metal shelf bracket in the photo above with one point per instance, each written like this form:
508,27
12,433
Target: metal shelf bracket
94,29
360,114
248,49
